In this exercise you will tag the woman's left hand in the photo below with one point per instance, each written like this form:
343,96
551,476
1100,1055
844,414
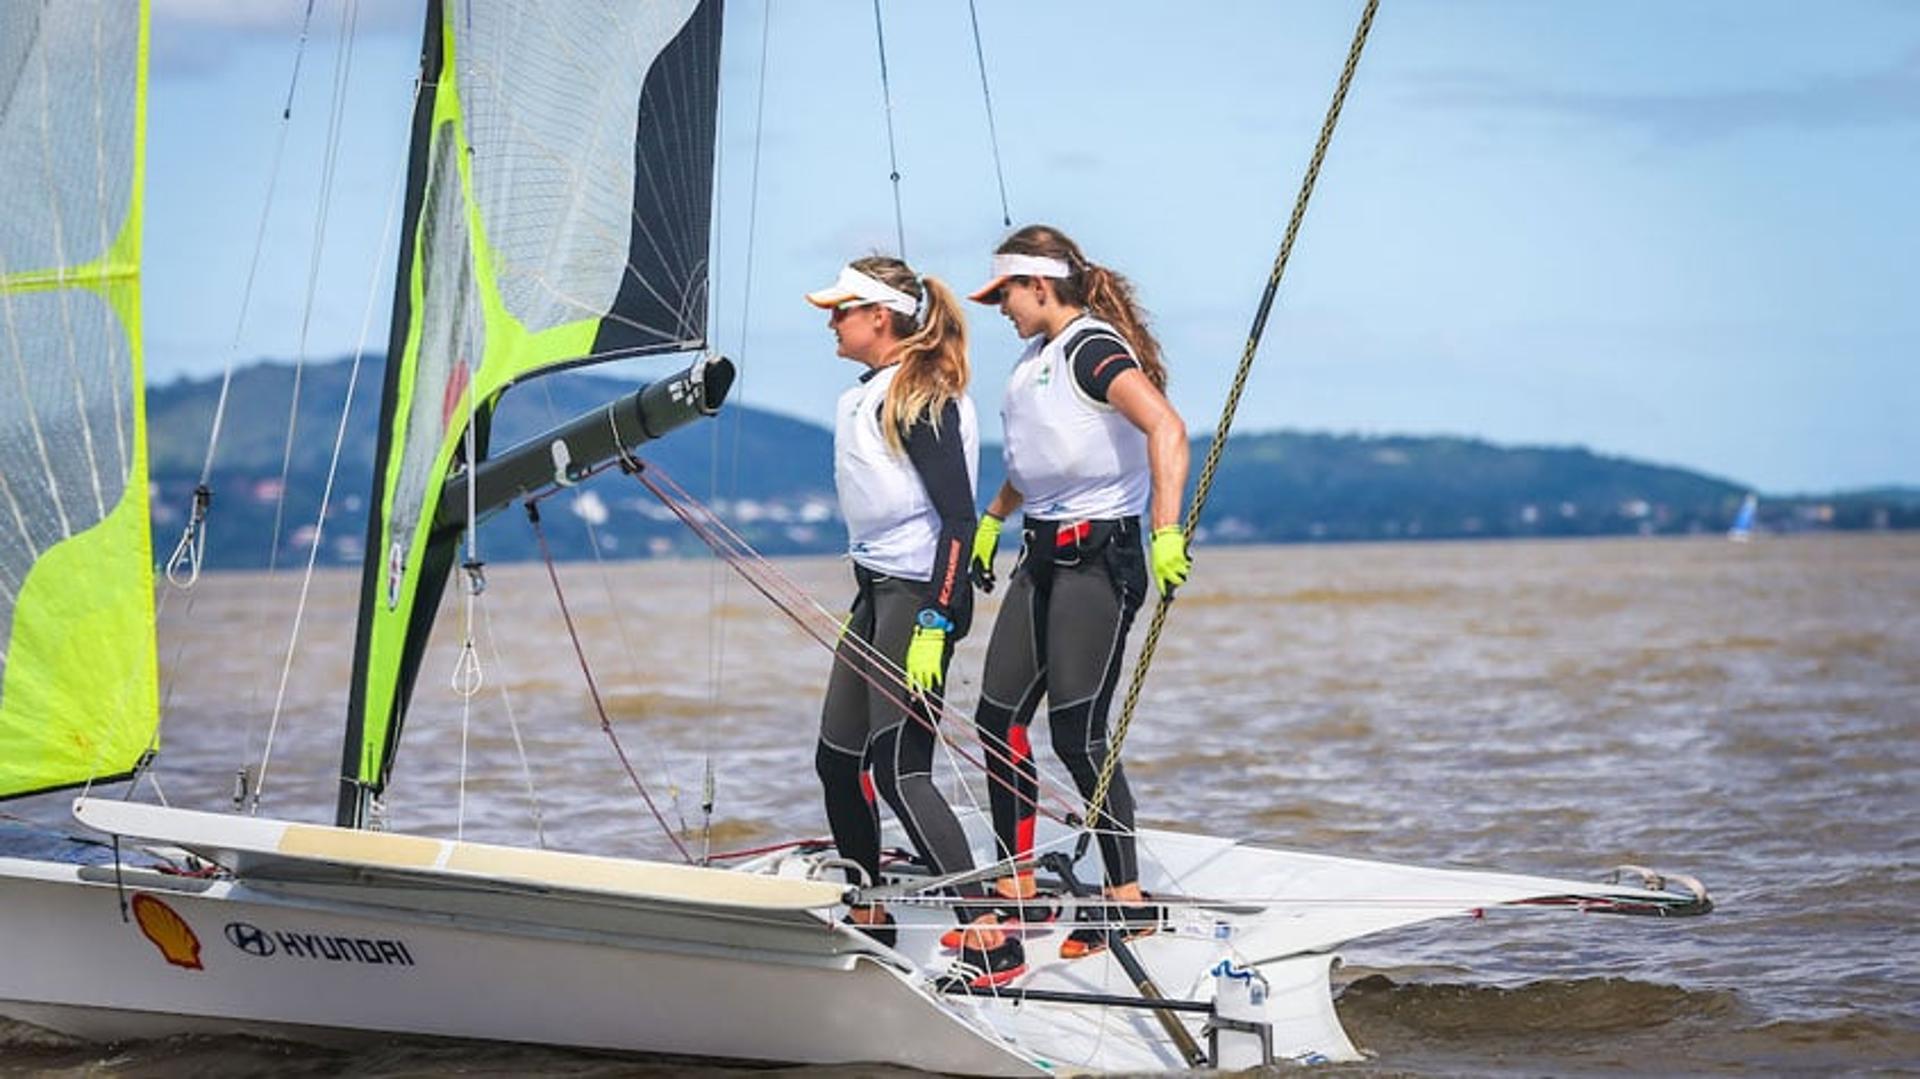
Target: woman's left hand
1170,561
924,654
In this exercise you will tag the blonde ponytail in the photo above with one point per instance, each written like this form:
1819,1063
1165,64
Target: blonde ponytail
932,350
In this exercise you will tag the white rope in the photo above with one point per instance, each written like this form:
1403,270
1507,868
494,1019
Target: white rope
333,467
253,262
513,725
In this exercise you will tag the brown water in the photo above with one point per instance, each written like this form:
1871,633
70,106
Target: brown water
1749,714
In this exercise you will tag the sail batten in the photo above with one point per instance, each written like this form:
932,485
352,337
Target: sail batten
547,227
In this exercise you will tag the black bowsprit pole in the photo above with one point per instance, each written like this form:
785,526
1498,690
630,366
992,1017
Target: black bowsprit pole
1062,866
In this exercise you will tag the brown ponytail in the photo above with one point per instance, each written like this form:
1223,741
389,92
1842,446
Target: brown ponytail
1103,292
932,349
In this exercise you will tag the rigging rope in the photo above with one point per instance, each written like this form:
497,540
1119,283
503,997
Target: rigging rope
342,69
593,688
467,676
617,609
877,669
183,568
993,134
718,581
513,726
343,65
893,159
387,232
1097,804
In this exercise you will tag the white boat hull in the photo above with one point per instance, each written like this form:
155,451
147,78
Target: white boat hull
231,957
331,935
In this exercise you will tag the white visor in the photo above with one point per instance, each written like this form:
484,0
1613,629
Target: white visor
1008,265
1029,266
853,288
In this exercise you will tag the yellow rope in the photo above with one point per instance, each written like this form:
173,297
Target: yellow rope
1097,804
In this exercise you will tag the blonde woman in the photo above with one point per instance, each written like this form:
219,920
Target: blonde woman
1092,445
905,461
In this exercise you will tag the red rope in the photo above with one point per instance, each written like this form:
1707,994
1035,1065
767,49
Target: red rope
593,689
735,551
749,852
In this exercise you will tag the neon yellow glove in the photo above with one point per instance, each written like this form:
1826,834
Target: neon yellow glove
925,652
986,541
1170,562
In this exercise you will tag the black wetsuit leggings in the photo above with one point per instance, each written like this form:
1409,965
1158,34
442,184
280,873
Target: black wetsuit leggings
1061,634
862,730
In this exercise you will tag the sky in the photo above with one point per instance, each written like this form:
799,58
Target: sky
1683,233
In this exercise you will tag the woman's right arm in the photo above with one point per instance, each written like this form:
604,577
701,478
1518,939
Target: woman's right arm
1006,501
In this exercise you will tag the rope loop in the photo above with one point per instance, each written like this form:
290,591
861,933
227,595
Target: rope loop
468,677
183,566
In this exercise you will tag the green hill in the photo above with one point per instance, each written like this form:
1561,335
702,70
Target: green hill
772,477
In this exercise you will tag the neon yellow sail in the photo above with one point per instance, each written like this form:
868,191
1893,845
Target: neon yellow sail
79,697
557,214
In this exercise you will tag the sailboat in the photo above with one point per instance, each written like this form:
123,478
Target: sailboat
518,259
1741,531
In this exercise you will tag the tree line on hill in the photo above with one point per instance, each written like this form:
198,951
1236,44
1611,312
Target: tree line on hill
771,477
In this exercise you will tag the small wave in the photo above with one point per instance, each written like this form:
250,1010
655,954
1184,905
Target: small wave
632,704
1738,643
734,832
1192,760
1365,597
1377,1003
1288,813
20,1038
1843,646
1605,1026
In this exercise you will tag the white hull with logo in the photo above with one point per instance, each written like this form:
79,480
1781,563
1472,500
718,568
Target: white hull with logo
328,935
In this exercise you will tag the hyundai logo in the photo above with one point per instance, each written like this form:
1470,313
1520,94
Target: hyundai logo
250,939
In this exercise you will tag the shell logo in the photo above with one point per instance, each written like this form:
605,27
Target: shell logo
168,931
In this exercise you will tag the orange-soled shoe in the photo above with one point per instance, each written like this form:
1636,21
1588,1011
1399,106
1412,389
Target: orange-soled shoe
953,938
886,931
1019,886
1022,902
1012,914
984,968
1132,920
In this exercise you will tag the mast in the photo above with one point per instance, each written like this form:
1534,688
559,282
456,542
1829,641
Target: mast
354,795
559,198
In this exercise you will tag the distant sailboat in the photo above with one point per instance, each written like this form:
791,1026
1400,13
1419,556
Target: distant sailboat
1742,529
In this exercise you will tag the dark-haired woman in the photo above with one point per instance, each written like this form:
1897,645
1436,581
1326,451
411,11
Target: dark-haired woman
905,460
1092,445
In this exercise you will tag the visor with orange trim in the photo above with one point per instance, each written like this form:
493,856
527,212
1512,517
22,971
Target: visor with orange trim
1006,266
854,289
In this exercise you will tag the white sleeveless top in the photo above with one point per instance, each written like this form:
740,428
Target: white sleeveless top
1070,456
892,527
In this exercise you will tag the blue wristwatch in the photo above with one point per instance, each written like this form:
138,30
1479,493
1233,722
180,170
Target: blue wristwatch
932,619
